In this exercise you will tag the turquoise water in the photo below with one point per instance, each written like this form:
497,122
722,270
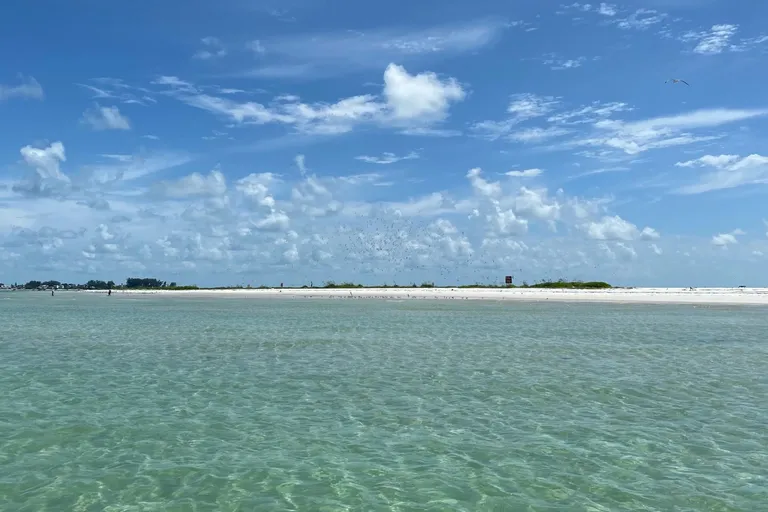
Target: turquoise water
176,404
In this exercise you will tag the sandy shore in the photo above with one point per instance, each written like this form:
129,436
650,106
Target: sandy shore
722,296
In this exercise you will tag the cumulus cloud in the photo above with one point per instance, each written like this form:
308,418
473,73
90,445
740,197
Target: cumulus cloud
46,177
424,98
616,228
263,224
726,239
195,184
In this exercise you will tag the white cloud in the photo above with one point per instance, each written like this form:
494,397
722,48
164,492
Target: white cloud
606,9
538,120
195,184
387,158
748,43
106,118
409,102
719,39
423,98
301,164
667,131
649,234
196,223
527,173
212,49
616,228
47,177
123,169
726,239
641,19
523,107
117,90
714,41
727,171
603,8
589,113
528,106
28,88
559,63
256,47
339,52
533,135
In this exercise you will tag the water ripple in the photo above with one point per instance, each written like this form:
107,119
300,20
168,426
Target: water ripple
194,404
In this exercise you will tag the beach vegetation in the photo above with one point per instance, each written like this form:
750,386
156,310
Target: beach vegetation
150,283
559,284
332,284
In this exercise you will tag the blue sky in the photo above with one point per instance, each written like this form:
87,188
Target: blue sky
246,142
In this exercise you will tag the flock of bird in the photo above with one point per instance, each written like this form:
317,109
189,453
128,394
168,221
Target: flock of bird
404,251
401,248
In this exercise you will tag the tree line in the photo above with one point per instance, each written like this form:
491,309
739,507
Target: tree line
97,284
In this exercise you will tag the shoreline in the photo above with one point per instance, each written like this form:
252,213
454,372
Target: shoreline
709,296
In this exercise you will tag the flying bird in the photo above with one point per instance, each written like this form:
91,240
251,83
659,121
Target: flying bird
677,80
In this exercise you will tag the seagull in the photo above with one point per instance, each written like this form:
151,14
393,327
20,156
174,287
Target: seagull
677,80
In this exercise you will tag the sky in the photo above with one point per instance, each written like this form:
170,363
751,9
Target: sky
242,142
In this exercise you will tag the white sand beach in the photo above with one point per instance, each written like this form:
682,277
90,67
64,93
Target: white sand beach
713,296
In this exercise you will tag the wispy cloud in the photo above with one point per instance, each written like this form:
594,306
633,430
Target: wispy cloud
558,63
331,53
536,134
387,158
602,8
300,161
713,41
28,88
119,168
636,137
522,107
641,19
719,39
726,171
594,126
117,90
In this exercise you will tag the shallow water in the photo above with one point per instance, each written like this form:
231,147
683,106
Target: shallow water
146,403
